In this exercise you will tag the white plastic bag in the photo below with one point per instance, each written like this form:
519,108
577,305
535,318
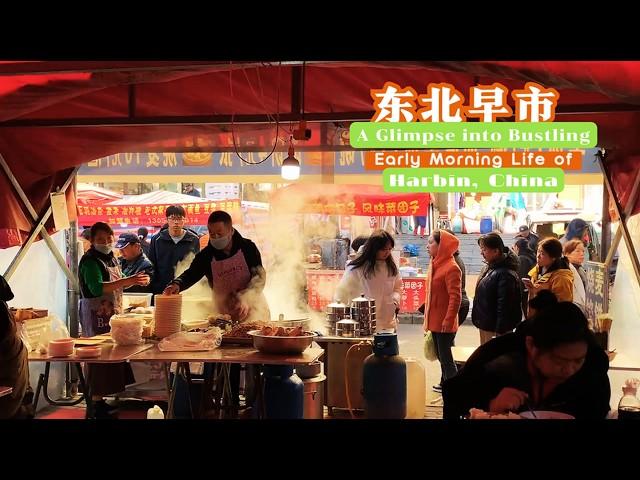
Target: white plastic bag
192,341
56,329
127,329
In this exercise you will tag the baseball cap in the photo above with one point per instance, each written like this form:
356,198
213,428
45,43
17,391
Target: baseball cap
127,238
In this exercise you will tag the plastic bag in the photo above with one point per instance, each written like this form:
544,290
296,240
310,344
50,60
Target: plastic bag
56,329
127,330
192,341
430,347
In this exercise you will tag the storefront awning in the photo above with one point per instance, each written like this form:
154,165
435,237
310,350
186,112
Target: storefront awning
57,115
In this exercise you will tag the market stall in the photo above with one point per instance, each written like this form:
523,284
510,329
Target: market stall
111,107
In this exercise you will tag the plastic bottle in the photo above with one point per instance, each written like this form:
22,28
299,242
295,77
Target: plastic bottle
155,413
416,388
629,406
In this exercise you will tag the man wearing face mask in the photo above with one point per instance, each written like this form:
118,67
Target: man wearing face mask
170,246
233,267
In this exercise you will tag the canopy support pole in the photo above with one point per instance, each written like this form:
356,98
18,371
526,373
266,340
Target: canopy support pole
38,226
623,230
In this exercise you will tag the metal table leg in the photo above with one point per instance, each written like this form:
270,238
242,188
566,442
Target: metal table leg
172,395
182,369
86,391
187,375
43,386
227,395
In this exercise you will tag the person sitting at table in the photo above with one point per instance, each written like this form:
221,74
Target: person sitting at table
551,362
14,364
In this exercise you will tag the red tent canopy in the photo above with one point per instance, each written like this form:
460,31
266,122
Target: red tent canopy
149,209
56,115
363,200
92,195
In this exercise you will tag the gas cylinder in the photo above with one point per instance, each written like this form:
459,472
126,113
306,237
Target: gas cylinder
283,392
385,379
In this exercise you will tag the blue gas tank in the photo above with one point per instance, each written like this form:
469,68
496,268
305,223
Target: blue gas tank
385,379
283,392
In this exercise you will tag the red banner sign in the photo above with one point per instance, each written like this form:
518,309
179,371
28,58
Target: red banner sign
413,294
321,286
154,215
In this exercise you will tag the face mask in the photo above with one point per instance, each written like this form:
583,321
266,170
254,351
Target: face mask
106,249
220,243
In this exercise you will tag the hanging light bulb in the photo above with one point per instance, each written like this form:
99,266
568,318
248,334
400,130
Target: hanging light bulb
290,166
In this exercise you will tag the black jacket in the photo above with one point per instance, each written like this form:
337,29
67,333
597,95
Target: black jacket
14,364
502,363
140,264
145,246
165,255
201,265
527,261
464,303
532,240
497,301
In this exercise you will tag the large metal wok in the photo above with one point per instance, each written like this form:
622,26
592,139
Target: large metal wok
281,345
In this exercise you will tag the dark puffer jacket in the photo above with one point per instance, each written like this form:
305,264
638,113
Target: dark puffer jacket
165,255
496,304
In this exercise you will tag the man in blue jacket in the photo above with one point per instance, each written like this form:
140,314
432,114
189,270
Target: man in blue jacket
170,246
133,260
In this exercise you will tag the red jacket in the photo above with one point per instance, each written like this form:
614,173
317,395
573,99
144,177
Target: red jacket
444,288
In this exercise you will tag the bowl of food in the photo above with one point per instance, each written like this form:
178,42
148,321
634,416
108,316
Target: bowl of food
281,340
546,415
62,347
89,352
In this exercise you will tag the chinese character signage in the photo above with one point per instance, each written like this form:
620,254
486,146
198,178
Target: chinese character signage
596,289
413,294
442,102
153,215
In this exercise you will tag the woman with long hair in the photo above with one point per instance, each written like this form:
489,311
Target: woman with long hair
375,274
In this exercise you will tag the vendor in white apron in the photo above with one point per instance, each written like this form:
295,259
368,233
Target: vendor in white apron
233,267
101,286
